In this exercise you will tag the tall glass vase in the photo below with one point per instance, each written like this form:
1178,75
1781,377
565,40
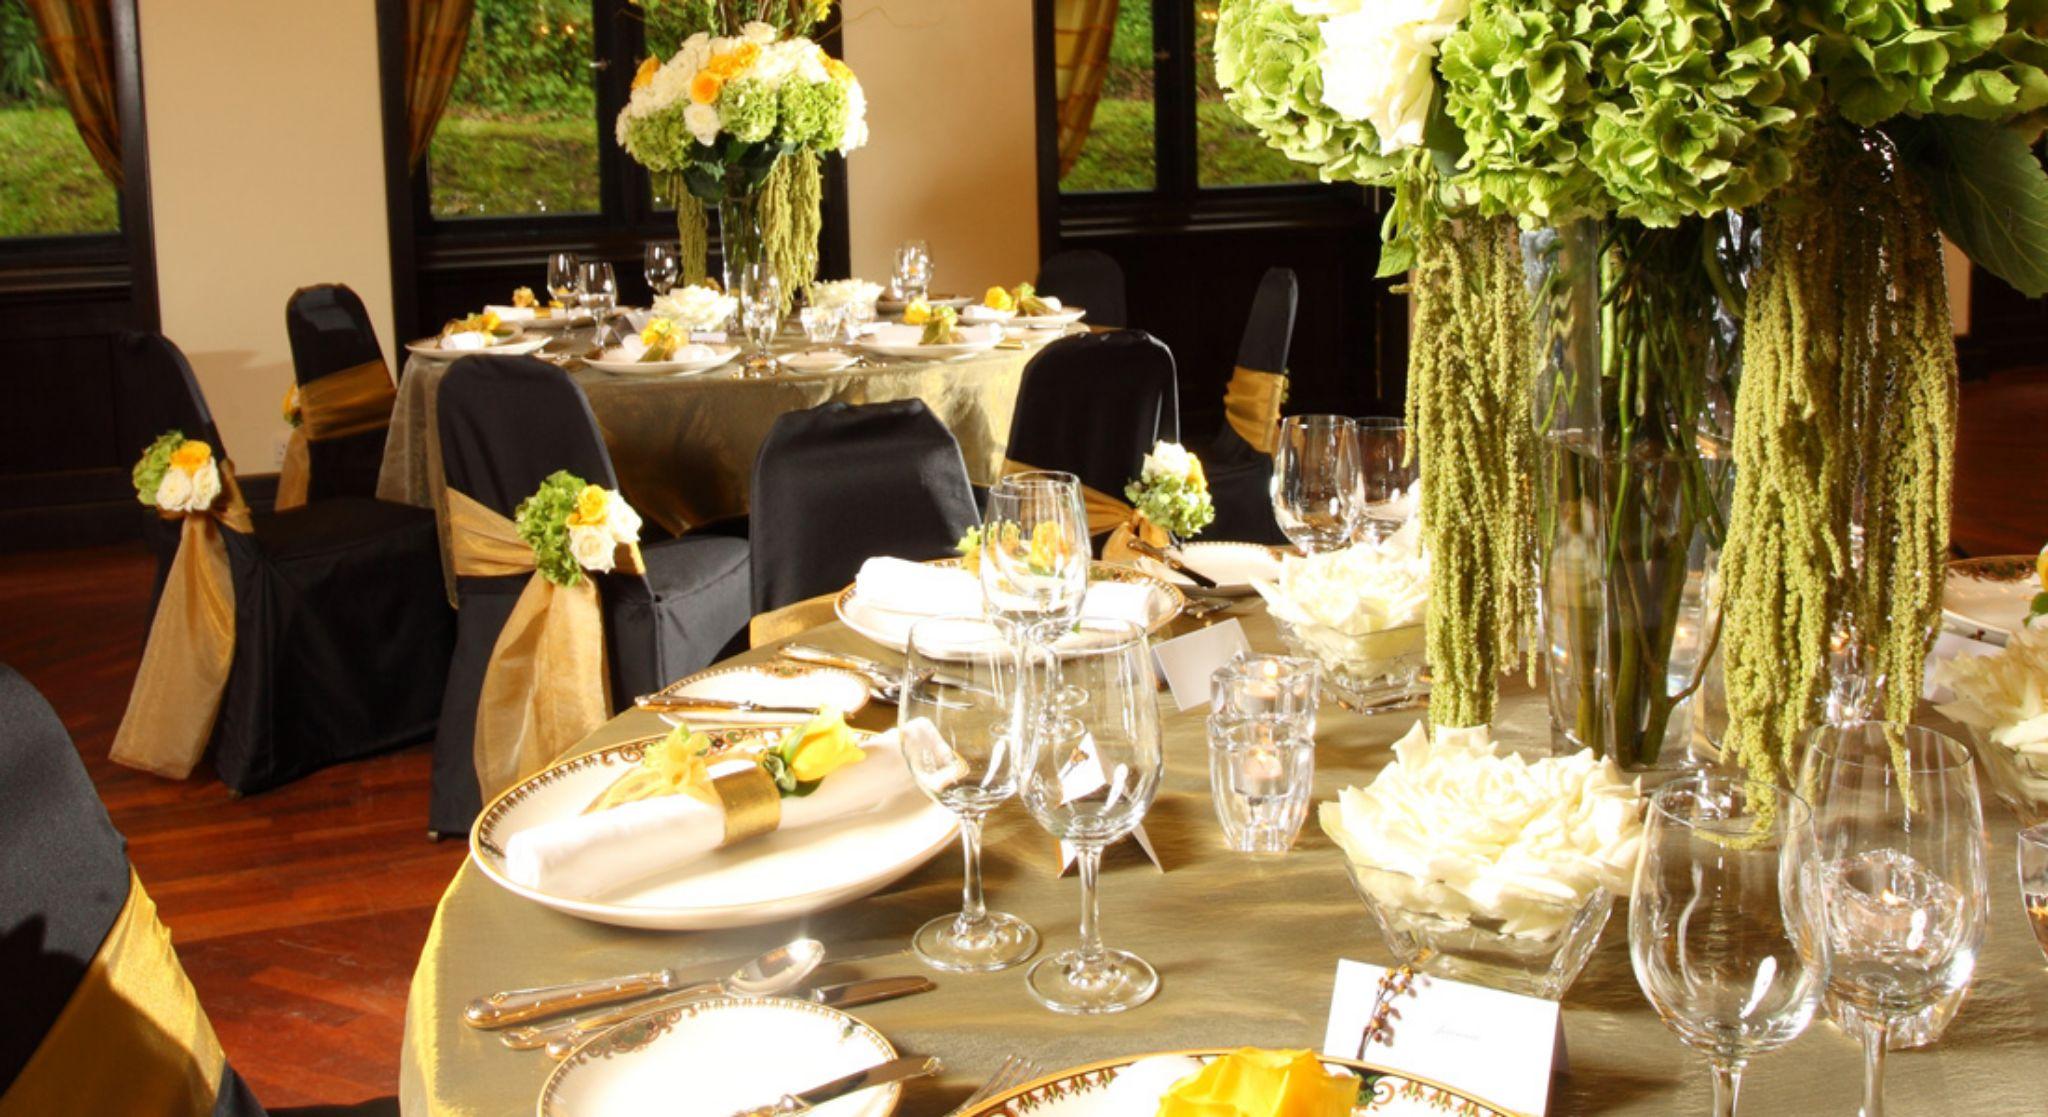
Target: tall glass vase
1639,334
742,232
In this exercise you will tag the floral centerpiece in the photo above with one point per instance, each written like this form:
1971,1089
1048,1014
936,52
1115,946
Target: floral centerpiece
1358,612
574,526
177,475
2002,697
696,308
739,116
1608,210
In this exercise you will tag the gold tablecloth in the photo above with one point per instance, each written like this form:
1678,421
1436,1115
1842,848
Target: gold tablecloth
684,447
1246,949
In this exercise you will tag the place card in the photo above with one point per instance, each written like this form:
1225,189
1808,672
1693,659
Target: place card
1187,662
1084,778
1499,1047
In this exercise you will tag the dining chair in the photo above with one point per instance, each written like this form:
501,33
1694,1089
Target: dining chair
341,618
1092,405
838,484
335,351
1087,278
101,1018
506,424
1239,460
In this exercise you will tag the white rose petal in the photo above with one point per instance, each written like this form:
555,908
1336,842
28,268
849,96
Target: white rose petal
205,487
593,548
758,33
174,492
620,517
695,308
1378,61
702,121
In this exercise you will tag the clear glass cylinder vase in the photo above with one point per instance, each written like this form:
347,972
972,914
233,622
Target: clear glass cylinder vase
742,232
1639,335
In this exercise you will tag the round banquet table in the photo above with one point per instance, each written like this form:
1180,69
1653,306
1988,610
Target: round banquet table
1246,948
684,446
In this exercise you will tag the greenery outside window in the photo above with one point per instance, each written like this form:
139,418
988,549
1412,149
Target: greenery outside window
49,184
520,134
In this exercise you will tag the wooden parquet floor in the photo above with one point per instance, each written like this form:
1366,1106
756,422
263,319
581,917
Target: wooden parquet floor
300,912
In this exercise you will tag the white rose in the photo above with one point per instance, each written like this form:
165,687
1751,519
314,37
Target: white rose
1378,64
856,134
593,548
174,492
205,486
702,121
758,33
621,519
1167,460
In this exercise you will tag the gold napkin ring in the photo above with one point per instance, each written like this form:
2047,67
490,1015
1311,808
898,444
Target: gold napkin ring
752,802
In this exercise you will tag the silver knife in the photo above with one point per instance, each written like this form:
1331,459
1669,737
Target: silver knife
516,1006
876,671
717,705
895,1070
566,1036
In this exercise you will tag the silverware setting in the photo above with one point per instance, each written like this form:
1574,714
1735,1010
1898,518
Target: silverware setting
563,1038
1173,562
1015,1071
895,1070
775,971
681,704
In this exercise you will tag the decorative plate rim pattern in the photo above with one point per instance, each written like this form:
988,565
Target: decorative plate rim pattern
1995,568
1002,1105
781,669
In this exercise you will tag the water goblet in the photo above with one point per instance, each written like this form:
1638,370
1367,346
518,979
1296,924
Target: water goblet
1316,486
855,316
760,298
913,274
661,267
1899,866
1386,474
821,323
1724,928
2033,867
562,270
597,288
1091,773
964,746
1034,552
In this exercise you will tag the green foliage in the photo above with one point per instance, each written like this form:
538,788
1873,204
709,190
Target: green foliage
527,58
749,109
483,167
1172,504
148,474
49,184
543,523
1987,191
1129,71
24,78
1982,59
1266,62
813,115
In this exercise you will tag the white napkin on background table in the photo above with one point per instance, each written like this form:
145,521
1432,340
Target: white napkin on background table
902,586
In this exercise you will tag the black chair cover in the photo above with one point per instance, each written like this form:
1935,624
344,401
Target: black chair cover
1240,475
506,424
342,626
330,332
168,397
838,484
1089,279
1093,404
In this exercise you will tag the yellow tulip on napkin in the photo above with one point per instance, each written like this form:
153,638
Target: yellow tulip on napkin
1250,1082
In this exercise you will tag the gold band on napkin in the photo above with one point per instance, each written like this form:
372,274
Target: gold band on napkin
191,645
135,1010
1105,513
1251,402
545,687
338,405
752,803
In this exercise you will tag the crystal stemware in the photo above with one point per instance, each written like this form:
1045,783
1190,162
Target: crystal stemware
2033,867
1316,484
759,291
1899,864
597,287
661,267
1386,474
1092,771
963,740
1724,926
1034,552
913,274
562,270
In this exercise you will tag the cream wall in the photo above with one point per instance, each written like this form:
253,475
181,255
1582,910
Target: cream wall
952,151
266,168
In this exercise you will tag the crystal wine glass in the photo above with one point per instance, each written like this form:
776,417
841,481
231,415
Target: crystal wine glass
1386,473
661,267
2033,866
1034,552
597,287
1316,484
913,275
1899,864
965,756
562,270
1092,771
1724,926
760,297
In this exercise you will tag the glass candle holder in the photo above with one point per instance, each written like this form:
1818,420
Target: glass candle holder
1262,758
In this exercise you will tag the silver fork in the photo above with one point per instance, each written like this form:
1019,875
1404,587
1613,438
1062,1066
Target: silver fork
1014,1072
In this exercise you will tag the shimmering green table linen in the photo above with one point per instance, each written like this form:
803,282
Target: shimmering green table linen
1246,948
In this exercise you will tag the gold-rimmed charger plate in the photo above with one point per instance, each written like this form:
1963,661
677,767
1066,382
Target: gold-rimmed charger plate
1988,598
891,629
772,684
1086,1091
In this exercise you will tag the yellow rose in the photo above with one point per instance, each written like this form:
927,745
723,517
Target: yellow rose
591,506
917,313
705,86
734,62
820,748
644,76
674,765
839,71
1250,1082
291,405
523,296
1197,480
192,456
490,322
998,299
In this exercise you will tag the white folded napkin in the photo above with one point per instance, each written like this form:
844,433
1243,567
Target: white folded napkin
588,856
512,313
982,313
1119,601
1052,303
900,586
467,339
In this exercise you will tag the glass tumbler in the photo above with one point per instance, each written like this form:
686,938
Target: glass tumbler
1262,759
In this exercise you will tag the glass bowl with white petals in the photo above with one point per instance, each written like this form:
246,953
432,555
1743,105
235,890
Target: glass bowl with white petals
1480,865
1358,613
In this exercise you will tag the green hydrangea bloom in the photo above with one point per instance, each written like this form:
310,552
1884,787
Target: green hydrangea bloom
148,474
543,523
660,141
1985,59
813,113
1266,62
1173,504
747,108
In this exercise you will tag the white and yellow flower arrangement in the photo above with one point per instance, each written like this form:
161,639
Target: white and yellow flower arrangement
1172,491
574,526
680,763
177,475
722,99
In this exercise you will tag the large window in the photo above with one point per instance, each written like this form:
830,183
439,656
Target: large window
520,134
49,184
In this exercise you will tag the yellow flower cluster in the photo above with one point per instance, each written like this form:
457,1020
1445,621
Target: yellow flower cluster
291,405
593,506
709,81
523,297
999,298
917,313
192,456
1250,1082
661,338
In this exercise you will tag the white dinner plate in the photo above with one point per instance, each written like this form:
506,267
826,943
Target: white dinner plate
1988,598
1092,1090
775,876
982,312
518,345
891,629
717,1057
888,305
562,319
773,684
623,366
897,340
1057,320
818,360
1233,567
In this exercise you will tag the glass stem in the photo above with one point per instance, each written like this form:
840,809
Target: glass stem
1876,1035
1091,915
1727,1084
973,911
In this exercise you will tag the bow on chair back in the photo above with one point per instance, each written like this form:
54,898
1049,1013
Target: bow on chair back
1258,386
344,396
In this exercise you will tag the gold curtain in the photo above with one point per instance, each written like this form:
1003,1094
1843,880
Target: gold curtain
78,44
1081,32
435,33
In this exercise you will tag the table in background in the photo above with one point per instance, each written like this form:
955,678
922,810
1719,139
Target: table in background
1246,948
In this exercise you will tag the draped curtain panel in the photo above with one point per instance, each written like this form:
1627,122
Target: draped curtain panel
78,45
435,33
1082,30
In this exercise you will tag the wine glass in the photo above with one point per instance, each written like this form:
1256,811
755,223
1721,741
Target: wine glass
1091,773
913,275
1386,473
963,740
1316,485
661,266
2033,866
1034,552
1899,864
855,316
562,270
1724,926
759,293
597,287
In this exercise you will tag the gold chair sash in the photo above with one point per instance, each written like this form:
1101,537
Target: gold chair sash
352,401
1105,513
801,616
1251,403
191,646
135,1014
546,686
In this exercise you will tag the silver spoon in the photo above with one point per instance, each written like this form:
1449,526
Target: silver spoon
780,969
